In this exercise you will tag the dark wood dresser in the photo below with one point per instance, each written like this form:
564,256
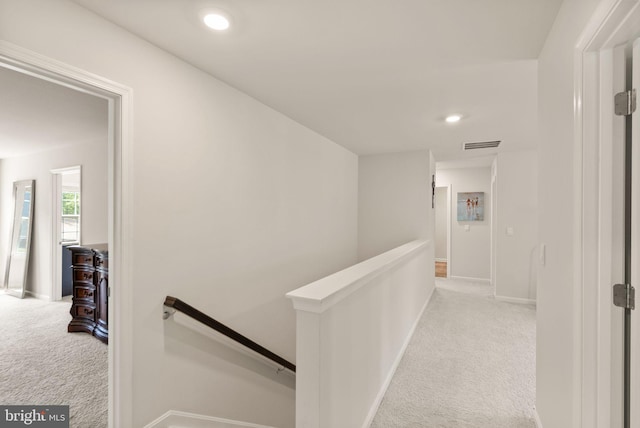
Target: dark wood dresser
89,308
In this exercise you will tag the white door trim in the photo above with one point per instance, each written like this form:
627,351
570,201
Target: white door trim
120,161
596,265
494,225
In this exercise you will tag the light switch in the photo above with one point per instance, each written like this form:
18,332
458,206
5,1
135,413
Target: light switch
467,228
509,231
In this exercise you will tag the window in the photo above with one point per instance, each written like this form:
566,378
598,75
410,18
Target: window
70,217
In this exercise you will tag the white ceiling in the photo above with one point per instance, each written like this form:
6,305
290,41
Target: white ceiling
36,115
375,76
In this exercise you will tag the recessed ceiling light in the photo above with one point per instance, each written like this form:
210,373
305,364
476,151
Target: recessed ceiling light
216,21
453,118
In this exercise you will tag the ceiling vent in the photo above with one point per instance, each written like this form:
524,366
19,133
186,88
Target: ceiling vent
481,145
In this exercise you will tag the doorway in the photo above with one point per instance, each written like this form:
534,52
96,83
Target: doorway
119,99
601,73
66,225
442,231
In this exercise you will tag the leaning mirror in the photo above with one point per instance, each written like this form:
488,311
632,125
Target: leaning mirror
18,260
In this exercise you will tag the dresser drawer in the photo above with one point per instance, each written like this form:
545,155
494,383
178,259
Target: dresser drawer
86,293
84,275
102,262
82,259
83,311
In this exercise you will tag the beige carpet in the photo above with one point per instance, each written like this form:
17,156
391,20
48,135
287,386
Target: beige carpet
470,364
42,364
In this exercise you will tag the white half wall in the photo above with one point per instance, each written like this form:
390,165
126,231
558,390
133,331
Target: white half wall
234,206
353,328
93,159
394,194
470,240
517,225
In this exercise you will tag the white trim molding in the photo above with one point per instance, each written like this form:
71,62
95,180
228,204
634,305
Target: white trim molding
517,300
175,418
469,279
536,418
38,296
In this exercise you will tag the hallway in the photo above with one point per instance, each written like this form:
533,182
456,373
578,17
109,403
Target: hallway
470,363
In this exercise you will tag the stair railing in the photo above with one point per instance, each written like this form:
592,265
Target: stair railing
180,306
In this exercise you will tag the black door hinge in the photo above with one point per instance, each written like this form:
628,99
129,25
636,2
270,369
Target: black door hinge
624,296
625,103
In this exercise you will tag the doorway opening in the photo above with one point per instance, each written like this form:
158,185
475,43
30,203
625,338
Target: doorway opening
66,226
119,157
600,74
442,217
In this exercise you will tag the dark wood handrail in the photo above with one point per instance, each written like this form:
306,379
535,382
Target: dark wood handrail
205,319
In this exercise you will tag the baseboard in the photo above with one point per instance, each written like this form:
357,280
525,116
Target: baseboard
175,418
385,385
518,300
36,295
466,278
441,260
537,418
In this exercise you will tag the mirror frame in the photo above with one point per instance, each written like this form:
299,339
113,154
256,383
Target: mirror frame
18,189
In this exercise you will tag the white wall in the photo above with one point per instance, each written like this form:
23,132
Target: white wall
556,396
235,205
394,193
517,225
470,249
93,159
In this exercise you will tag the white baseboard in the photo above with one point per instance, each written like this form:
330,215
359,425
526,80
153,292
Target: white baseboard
175,418
518,300
441,260
36,295
385,385
466,278
537,418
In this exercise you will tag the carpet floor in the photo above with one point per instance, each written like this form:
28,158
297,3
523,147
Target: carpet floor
470,364
42,364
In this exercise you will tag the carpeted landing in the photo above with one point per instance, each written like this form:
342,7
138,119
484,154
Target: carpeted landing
42,364
470,364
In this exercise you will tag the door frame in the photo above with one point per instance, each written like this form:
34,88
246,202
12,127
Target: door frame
56,219
597,350
120,206
493,268
448,225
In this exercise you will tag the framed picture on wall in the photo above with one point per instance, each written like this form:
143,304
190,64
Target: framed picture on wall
470,206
